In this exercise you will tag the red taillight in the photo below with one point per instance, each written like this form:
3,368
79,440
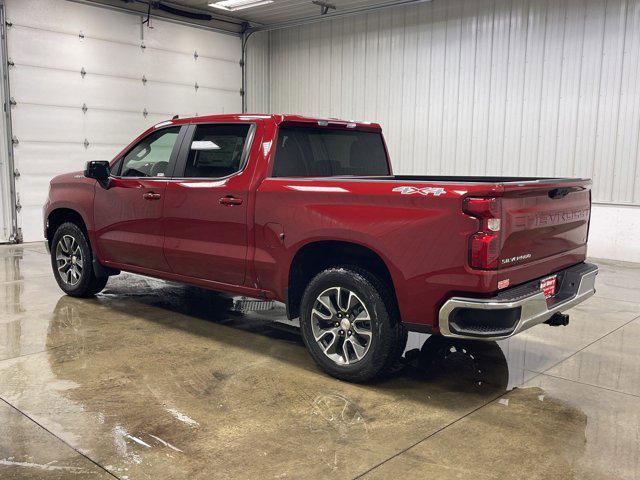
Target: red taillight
484,251
482,207
484,246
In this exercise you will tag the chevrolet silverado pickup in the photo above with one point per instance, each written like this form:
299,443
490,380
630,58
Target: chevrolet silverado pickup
307,211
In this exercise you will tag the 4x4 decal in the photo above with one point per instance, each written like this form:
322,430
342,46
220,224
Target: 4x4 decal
436,192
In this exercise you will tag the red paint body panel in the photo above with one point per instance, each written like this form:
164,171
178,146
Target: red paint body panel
422,240
248,248
74,192
127,227
203,238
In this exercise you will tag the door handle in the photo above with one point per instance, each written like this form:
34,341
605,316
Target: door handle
230,201
151,196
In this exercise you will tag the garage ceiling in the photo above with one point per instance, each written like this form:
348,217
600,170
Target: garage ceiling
279,12
282,11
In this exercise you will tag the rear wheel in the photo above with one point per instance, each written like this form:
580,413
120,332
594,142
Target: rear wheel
350,325
72,262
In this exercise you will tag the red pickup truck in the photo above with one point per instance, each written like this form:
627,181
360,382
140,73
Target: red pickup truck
307,211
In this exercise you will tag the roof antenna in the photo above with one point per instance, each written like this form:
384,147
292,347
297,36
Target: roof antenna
175,117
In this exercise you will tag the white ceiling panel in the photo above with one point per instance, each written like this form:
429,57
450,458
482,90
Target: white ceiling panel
281,11
275,13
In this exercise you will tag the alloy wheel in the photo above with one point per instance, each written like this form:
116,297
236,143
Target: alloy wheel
341,325
69,260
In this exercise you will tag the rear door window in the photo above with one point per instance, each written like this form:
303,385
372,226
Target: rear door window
216,151
322,152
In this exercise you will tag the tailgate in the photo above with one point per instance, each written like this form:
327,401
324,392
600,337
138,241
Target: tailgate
543,220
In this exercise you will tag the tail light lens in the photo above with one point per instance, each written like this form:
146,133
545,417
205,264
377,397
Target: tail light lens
484,245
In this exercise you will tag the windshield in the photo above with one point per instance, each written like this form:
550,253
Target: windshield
323,152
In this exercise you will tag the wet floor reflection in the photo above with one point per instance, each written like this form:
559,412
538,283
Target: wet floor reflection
152,379
461,364
159,387
149,363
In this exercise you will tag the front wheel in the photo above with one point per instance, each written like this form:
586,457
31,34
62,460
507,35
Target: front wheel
72,262
350,325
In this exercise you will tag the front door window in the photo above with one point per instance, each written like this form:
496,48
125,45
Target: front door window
150,157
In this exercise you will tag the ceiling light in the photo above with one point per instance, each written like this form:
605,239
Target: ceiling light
233,5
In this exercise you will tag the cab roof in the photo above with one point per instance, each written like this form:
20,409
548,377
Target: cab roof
278,119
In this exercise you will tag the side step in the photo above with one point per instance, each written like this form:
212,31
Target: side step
244,305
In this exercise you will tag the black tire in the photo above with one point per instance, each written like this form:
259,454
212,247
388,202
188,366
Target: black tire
88,284
388,336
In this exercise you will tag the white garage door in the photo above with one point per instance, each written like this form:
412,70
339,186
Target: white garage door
87,80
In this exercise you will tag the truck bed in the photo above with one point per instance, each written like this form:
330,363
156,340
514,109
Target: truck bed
470,179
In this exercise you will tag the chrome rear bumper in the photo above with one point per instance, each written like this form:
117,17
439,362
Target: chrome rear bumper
516,309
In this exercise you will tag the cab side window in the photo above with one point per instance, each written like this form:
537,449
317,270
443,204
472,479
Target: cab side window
216,151
150,157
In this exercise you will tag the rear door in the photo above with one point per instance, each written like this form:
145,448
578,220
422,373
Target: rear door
128,215
206,204
543,220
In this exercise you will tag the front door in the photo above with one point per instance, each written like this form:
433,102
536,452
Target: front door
128,215
206,204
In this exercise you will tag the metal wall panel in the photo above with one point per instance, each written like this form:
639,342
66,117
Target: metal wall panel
515,87
51,41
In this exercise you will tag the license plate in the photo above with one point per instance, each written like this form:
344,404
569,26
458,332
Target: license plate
548,286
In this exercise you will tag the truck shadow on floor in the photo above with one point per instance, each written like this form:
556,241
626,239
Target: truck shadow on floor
478,368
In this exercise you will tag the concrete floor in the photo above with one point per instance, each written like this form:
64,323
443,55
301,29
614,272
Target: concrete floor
156,380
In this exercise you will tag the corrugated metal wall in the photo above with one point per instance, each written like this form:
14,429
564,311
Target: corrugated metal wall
474,86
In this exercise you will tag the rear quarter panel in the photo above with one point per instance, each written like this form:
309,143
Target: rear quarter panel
421,238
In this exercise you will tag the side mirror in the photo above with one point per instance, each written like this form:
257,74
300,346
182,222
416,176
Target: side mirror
204,145
98,170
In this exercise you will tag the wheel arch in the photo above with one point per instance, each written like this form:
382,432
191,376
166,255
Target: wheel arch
62,215
316,256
